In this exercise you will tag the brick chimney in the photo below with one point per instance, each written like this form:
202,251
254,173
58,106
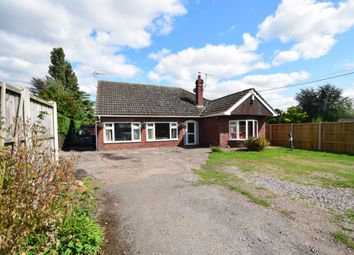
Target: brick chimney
199,91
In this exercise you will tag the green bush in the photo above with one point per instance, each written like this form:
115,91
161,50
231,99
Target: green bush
63,124
216,148
256,144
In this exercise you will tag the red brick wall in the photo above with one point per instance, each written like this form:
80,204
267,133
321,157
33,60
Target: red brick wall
212,131
143,144
223,127
208,134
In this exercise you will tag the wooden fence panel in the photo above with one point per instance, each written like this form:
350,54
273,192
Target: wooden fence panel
305,136
338,137
17,104
280,135
326,136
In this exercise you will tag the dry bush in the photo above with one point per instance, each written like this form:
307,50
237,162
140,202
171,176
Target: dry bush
34,190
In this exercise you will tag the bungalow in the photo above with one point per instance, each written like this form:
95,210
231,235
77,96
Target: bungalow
138,116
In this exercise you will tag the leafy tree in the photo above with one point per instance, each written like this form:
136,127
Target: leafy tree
325,104
276,119
294,114
62,86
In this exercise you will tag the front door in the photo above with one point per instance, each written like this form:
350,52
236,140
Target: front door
191,137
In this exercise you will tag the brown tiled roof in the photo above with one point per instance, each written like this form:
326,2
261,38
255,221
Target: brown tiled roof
117,98
128,99
223,103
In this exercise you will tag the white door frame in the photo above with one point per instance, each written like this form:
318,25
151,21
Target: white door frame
195,133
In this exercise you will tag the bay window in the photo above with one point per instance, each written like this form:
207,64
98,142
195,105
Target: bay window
122,132
161,131
242,129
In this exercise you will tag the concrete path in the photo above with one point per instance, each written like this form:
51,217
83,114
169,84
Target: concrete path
152,206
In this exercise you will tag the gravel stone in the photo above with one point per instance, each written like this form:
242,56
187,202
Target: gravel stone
336,198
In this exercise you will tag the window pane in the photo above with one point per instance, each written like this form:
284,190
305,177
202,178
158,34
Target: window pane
108,124
162,131
122,132
256,128
136,134
173,133
173,124
150,134
191,138
109,135
250,128
150,124
233,132
190,127
242,130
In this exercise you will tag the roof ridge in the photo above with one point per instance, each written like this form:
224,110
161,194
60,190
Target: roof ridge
233,94
138,84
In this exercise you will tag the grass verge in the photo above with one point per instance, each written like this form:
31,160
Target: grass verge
80,233
341,237
300,166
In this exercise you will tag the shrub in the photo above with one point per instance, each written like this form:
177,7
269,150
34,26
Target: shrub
256,144
215,148
40,211
34,193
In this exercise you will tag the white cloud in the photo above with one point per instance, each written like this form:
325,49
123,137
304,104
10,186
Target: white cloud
259,82
220,61
91,33
348,65
159,54
312,24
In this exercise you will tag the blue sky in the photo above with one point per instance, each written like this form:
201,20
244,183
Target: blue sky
240,44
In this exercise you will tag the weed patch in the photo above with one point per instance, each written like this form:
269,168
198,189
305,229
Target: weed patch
229,180
341,237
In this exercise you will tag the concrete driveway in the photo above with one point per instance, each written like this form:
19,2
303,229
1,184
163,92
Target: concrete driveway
152,205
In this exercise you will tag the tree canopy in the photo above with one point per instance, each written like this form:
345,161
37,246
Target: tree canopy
325,103
294,114
61,85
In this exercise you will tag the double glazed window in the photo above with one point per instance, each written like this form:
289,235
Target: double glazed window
122,132
243,129
161,131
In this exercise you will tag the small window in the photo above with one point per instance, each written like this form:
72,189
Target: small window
122,132
162,131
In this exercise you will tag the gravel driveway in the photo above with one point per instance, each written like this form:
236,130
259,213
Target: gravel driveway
152,206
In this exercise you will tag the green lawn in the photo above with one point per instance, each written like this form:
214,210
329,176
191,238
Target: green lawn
300,166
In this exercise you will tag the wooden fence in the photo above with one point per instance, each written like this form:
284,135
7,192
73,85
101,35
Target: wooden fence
326,136
17,104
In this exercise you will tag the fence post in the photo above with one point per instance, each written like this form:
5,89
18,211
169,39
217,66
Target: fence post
270,133
319,136
55,130
2,112
292,142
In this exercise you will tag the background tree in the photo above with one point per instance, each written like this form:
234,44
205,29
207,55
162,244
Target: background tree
74,106
294,114
325,104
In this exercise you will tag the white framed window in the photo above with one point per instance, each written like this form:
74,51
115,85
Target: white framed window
242,129
118,132
161,131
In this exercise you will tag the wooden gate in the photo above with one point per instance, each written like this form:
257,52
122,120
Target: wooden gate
17,104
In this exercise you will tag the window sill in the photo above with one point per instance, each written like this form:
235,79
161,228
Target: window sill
162,140
135,141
